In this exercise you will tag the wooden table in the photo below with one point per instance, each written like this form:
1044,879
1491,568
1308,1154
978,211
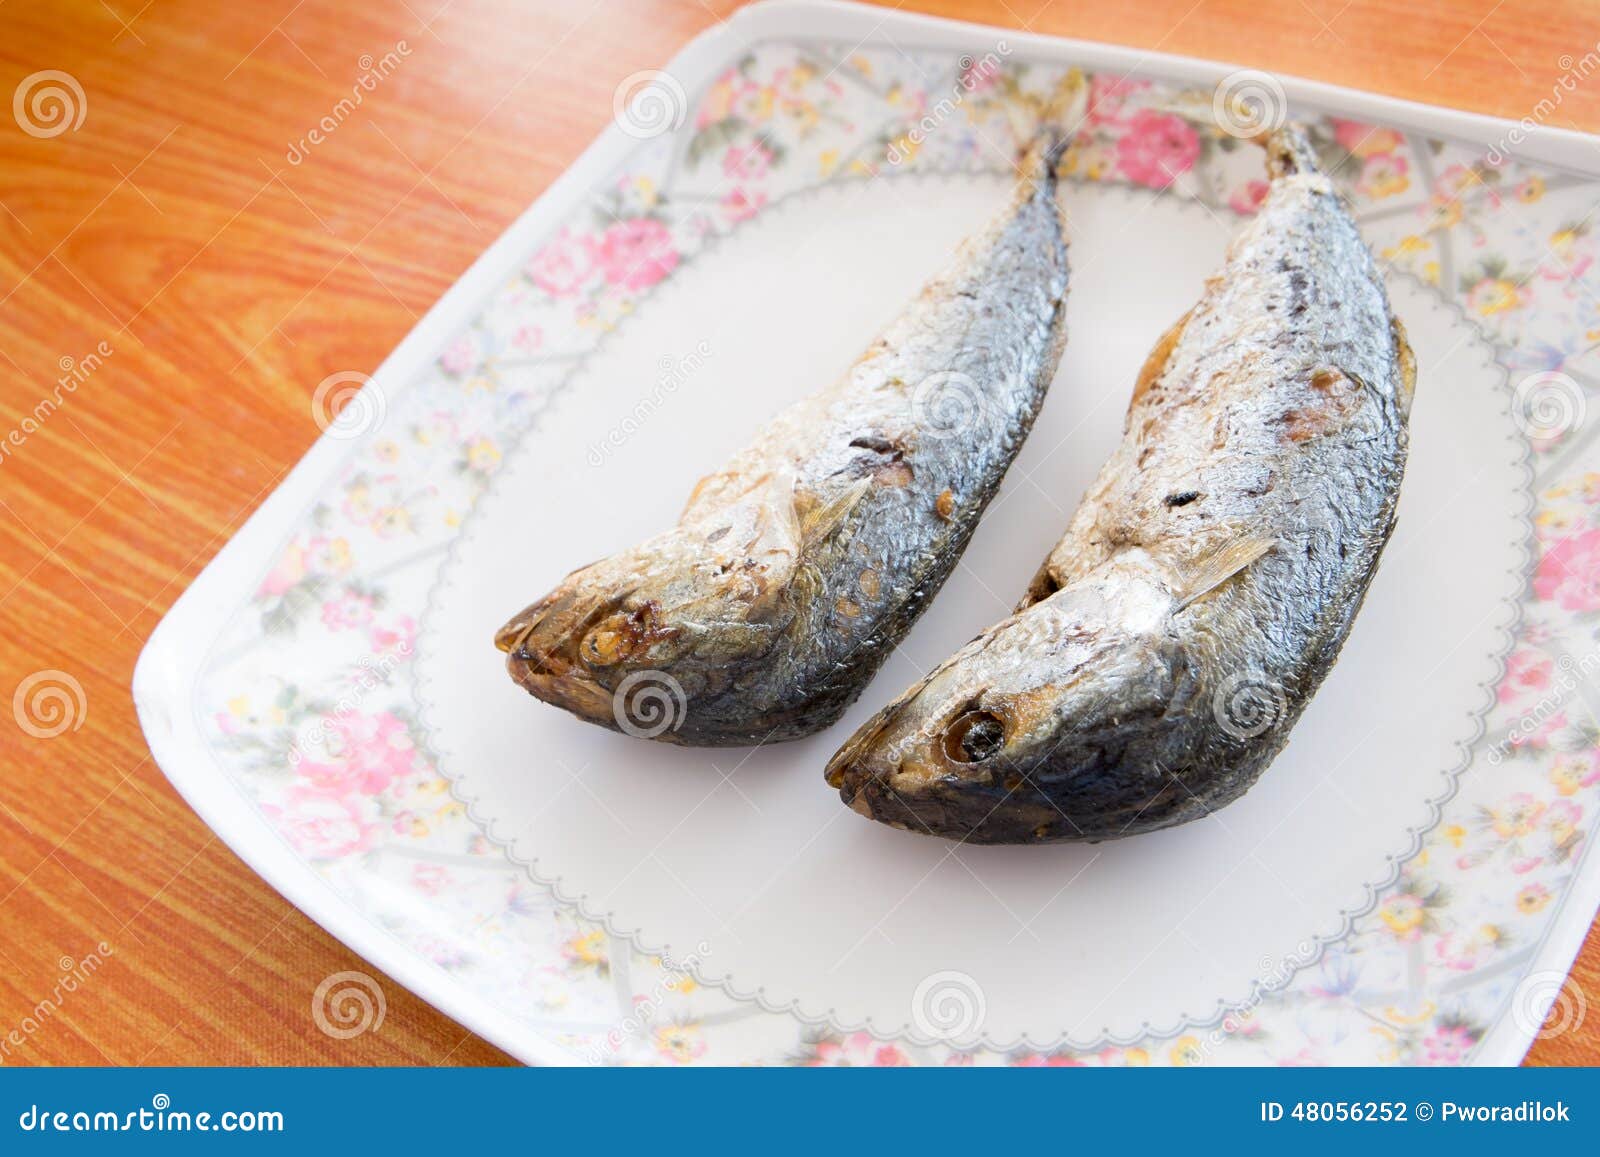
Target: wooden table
159,227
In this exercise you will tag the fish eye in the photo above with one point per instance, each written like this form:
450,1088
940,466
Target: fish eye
974,736
612,640
605,646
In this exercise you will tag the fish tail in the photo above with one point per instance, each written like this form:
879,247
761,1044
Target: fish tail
1062,116
1037,165
1046,127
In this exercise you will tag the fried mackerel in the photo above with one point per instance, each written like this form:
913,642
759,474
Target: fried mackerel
795,569
1204,587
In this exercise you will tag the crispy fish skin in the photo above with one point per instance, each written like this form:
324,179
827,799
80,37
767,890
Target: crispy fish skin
1206,584
796,568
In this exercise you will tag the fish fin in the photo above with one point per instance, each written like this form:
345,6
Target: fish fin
1407,361
769,515
820,520
1219,566
700,488
1155,363
714,490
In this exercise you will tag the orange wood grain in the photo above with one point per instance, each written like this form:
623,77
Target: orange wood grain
227,283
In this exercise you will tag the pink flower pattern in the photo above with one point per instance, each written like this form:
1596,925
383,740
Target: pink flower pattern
322,827
561,266
1157,149
1527,672
746,162
634,255
360,755
1569,573
1448,1045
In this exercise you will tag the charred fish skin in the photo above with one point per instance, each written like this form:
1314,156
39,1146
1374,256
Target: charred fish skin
1206,584
795,569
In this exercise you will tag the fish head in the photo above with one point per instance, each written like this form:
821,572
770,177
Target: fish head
1032,702
690,610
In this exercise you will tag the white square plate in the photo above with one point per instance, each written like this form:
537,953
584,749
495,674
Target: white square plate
1407,884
